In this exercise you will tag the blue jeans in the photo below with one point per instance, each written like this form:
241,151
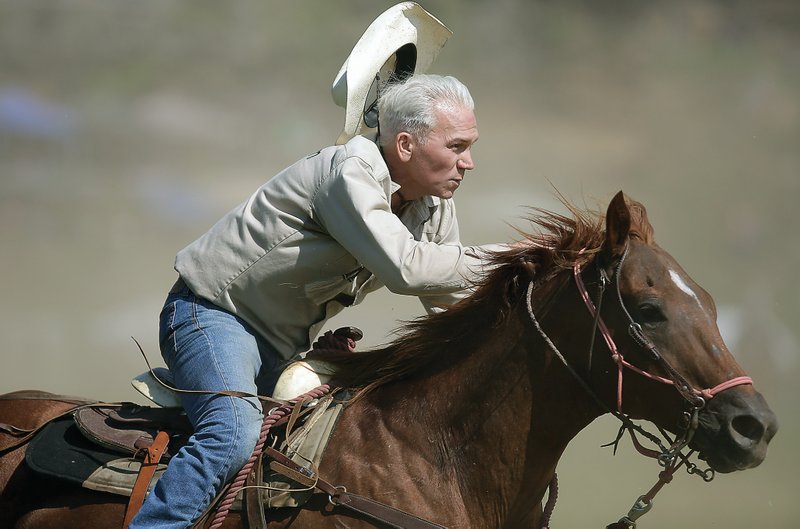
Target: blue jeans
207,348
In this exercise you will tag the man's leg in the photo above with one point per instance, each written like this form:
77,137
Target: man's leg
210,350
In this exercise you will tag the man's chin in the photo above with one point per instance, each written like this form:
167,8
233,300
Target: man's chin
450,191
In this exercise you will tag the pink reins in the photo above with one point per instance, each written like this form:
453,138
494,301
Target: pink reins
618,359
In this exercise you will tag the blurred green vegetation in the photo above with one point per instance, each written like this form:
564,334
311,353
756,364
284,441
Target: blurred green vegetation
127,128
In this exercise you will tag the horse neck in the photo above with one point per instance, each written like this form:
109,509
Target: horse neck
505,404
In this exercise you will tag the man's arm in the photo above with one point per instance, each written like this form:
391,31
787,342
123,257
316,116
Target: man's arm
354,208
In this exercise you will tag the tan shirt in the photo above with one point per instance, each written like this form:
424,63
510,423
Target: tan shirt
319,236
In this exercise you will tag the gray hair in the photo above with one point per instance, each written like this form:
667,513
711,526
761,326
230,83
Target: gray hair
410,106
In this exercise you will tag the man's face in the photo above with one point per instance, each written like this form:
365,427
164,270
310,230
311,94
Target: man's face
437,166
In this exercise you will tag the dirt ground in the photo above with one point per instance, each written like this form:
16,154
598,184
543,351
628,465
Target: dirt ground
128,128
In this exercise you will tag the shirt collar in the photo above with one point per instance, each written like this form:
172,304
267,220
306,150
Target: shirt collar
428,201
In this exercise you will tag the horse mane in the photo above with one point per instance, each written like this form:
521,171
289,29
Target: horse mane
557,244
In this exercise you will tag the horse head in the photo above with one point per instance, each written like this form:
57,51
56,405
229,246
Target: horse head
673,366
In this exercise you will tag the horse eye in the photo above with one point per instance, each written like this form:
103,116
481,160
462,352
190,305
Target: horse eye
650,313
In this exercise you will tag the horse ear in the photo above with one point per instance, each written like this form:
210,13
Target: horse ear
618,225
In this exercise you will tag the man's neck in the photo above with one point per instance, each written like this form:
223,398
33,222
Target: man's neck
398,202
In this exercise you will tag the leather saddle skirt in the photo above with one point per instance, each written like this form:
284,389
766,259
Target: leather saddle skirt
99,447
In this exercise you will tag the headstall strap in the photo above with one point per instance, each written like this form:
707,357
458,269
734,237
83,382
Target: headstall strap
695,397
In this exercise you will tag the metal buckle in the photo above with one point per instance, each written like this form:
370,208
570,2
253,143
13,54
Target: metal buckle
334,499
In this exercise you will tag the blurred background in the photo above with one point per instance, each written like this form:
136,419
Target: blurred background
128,128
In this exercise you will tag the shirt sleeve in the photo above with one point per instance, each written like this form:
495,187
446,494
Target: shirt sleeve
353,207
476,256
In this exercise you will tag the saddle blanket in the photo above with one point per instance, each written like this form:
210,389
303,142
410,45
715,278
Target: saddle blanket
61,451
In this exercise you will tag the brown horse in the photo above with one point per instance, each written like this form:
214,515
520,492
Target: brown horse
463,418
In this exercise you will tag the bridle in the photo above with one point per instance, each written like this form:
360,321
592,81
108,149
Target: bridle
669,456
696,398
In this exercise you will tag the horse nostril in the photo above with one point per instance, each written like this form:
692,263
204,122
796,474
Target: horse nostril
748,427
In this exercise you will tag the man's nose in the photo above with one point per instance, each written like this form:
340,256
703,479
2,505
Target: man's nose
465,161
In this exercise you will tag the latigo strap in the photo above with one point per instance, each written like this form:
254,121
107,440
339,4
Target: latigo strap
152,456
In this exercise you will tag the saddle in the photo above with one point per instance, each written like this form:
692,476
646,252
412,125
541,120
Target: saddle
110,447
123,448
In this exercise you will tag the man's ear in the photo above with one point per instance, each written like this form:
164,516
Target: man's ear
404,143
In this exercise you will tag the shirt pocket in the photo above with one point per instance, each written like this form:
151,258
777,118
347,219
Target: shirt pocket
342,288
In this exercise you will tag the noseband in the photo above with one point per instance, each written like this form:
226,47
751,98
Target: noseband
671,458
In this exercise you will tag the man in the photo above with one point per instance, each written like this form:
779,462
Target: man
255,289
374,210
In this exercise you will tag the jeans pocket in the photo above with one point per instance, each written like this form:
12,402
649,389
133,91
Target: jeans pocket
166,327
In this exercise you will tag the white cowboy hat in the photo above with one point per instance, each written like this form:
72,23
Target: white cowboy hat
403,40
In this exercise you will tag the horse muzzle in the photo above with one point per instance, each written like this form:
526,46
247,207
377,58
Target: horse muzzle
734,430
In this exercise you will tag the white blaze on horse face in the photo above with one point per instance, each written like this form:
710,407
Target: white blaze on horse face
681,284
